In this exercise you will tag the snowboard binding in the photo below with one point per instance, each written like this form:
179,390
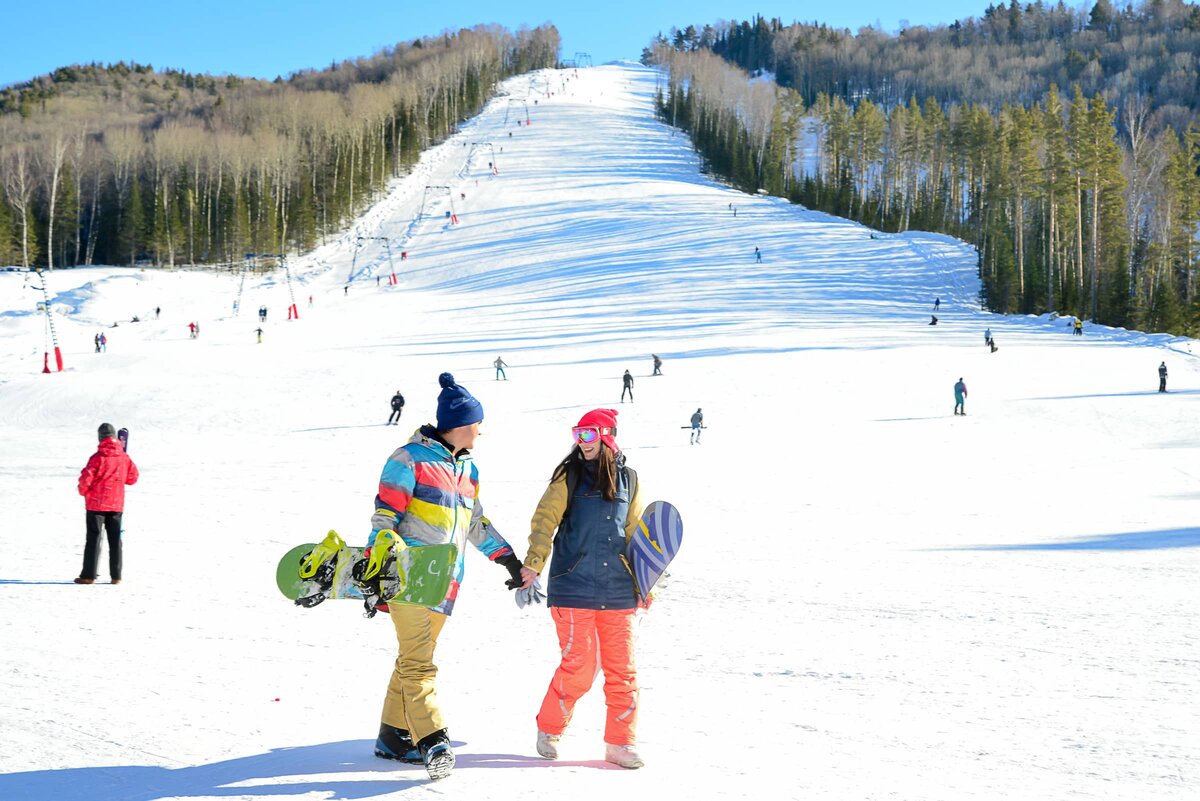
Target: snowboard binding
319,568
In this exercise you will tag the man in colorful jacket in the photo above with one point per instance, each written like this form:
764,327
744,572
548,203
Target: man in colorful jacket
102,485
429,494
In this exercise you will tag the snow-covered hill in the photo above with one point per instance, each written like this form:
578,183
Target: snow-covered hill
876,598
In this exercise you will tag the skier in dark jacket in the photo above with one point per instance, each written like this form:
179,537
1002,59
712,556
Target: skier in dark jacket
1162,377
102,485
657,364
697,424
627,386
397,408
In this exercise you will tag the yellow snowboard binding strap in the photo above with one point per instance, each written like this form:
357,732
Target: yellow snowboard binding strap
386,541
325,550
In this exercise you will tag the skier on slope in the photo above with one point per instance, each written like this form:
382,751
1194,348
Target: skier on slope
1162,377
960,398
697,424
397,408
627,386
428,495
102,484
591,508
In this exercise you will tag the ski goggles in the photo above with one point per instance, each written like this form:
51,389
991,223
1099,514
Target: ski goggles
589,434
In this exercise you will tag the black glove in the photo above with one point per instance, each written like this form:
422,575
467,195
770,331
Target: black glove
513,565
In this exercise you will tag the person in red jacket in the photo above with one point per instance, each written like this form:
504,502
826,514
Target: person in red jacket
102,485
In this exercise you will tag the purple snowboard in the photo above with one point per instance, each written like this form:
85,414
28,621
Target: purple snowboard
654,545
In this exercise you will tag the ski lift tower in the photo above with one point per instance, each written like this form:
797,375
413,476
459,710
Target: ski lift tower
522,103
583,59
436,192
387,246
250,262
493,165
58,360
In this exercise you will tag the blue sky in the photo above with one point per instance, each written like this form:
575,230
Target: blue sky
265,39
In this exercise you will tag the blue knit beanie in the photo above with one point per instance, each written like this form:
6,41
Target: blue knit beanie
456,406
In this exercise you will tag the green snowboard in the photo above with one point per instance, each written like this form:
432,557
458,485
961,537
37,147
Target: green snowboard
390,572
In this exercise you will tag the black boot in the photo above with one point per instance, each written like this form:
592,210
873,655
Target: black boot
435,750
393,743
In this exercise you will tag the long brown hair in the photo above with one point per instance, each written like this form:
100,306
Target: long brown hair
606,469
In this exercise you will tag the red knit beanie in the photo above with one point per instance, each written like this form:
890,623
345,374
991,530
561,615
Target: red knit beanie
602,419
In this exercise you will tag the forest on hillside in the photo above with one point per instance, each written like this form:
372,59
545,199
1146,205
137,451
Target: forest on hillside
122,163
1082,197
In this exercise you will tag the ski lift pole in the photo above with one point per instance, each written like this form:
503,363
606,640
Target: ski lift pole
237,303
58,360
293,311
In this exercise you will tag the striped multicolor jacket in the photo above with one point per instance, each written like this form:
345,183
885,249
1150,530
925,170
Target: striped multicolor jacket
428,497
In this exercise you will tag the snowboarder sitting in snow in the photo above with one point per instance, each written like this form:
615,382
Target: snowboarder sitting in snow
933,320
428,495
960,398
102,485
397,408
586,515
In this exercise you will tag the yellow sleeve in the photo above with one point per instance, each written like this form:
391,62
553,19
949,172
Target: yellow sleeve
544,526
635,512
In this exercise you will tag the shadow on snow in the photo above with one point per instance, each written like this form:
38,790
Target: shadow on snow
281,772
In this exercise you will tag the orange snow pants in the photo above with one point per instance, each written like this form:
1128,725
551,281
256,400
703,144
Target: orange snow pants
411,702
594,639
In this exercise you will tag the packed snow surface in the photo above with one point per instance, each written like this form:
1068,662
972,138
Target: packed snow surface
876,599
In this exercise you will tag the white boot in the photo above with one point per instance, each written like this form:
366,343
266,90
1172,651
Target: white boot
624,755
547,744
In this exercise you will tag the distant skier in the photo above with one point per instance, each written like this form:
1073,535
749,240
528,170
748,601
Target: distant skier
192,330
345,290
102,485
987,337
1078,327
627,386
96,339
757,255
937,304
259,332
103,343
657,364
1162,377
697,424
262,314
500,365
157,311
397,408
960,398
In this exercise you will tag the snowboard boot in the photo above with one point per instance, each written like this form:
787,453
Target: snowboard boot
624,755
547,744
393,743
437,755
82,580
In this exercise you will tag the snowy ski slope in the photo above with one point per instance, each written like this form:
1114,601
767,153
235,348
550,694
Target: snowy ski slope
876,599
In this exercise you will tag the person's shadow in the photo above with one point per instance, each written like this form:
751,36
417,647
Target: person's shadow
283,771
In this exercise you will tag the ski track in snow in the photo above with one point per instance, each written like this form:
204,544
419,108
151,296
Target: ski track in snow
875,599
